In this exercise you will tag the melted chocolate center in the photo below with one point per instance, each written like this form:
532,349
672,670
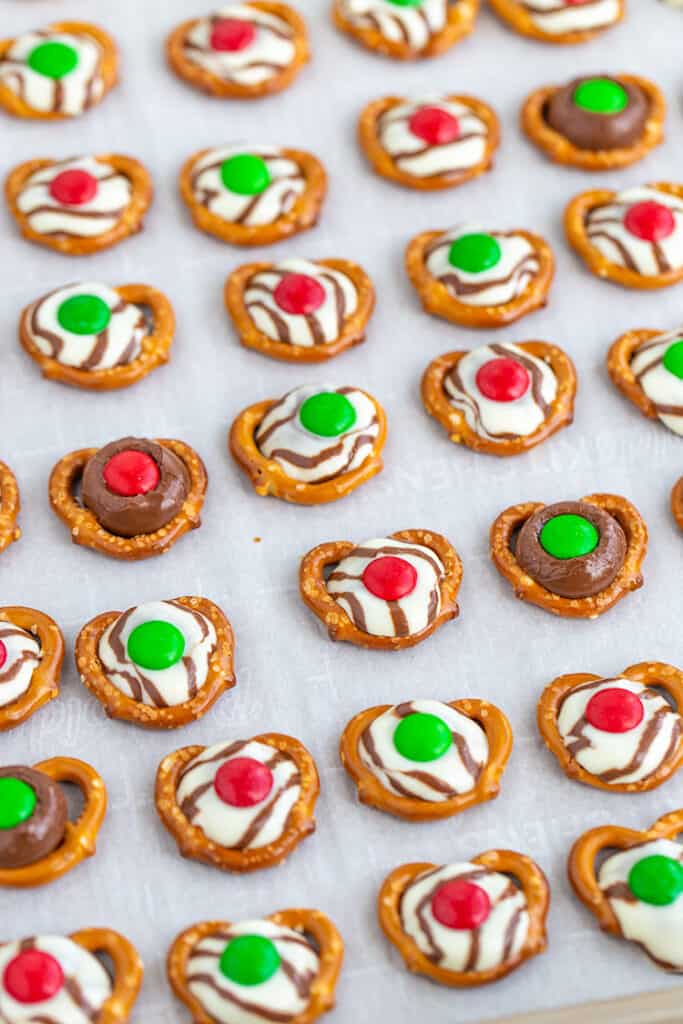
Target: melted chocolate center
588,129
42,832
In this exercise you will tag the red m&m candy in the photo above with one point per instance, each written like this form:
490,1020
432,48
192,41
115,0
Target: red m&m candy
461,905
503,380
229,35
33,976
130,473
74,187
299,294
3,654
390,578
434,125
650,221
614,710
243,782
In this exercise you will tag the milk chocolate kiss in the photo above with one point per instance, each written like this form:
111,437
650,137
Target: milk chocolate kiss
39,835
589,130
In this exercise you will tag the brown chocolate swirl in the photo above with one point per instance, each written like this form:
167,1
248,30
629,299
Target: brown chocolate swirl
578,577
39,835
141,513
587,129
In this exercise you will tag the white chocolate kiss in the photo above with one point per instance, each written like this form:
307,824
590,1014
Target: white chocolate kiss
271,51
557,16
412,25
100,214
607,231
72,93
287,182
516,269
413,155
664,389
22,657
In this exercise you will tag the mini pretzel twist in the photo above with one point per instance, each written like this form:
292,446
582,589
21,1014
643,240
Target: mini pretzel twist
128,970
460,19
9,507
44,685
520,19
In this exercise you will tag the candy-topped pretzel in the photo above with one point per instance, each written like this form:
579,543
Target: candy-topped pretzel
647,367
677,502
38,842
637,891
406,31
469,923
560,21
9,507
31,656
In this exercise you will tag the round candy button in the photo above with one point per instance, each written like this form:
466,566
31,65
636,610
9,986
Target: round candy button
503,380
461,905
33,976
17,802
243,782
250,960
474,253
406,3
422,737
74,187
673,359
245,174
156,645
299,294
650,221
390,578
3,654
327,414
657,880
53,60
130,473
434,126
229,35
568,536
601,96
614,710
84,314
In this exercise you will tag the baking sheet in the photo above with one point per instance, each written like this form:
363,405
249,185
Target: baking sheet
290,677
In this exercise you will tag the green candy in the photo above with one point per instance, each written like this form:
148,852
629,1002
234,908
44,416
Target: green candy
673,359
84,314
569,536
156,645
53,60
249,960
17,802
657,880
245,174
422,737
406,3
601,96
327,414
474,253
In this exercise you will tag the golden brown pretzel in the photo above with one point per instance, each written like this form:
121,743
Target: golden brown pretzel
154,347
533,884
627,579
80,836
194,844
374,794
86,530
460,21
384,164
107,70
339,626
128,970
44,685
129,223
437,299
619,360
459,431
310,922
521,21
117,704
677,502
9,507
650,673
214,85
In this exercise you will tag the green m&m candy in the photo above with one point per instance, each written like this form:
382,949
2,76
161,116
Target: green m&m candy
245,174
406,3
657,880
568,536
327,414
673,359
84,314
474,253
601,96
17,802
422,737
156,645
249,960
53,60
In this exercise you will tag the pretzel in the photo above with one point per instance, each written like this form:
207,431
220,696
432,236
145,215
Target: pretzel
627,579
313,590
436,298
575,216
559,148
130,222
524,871
44,685
128,970
118,705
372,792
651,674
311,923
9,507
84,527
677,502
269,478
460,19
107,71
383,163
155,345
225,88
453,420
303,213
514,13
193,842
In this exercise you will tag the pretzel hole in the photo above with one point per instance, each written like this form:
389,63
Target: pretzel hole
75,800
107,963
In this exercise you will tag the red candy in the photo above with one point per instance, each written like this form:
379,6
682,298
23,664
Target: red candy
650,221
3,654
434,125
230,34
461,905
503,380
243,782
33,976
72,188
299,293
130,473
615,710
390,578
